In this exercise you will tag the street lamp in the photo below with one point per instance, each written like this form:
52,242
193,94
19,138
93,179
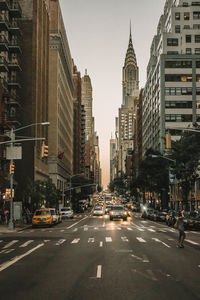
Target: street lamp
11,135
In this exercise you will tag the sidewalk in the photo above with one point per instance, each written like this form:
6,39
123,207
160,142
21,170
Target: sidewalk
5,229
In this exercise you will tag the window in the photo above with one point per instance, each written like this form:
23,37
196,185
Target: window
177,29
177,91
196,3
181,104
196,26
186,15
197,38
177,16
198,64
197,51
172,42
185,4
186,27
178,78
198,78
178,118
178,64
197,91
196,15
188,50
172,52
188,39
198,105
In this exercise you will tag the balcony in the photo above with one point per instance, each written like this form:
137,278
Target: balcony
4,4
3,43
14,27
3,64
14,82
15,45
4,22
15,9
15,64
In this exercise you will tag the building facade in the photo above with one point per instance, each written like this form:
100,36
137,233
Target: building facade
61,92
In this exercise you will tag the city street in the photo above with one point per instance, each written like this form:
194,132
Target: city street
93,258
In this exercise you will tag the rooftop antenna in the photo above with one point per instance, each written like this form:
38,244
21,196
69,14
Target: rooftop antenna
85,71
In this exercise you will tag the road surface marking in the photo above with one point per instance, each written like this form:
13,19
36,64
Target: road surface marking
60,242
144,259
26,244
85,229
192,242
161,230
157,240
151,230
140,240
96,228
148,274
75,229
137,227
62,230
10,244
76,223
129,228
75,241
46,241
91,240
124,239
108,239
104,224
8,251
17,258
101,244
172,230
99,268
119,228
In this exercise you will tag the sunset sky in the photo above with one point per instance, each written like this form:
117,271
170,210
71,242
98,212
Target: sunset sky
98,34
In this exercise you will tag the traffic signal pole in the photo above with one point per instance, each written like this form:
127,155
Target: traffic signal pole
11,220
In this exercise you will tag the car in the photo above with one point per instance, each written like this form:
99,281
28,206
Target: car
55,215
118,212
98,211
42,217
108,208
66,213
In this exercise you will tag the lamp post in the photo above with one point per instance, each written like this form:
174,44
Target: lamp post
11,134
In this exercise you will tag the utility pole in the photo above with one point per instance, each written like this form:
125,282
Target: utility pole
11,221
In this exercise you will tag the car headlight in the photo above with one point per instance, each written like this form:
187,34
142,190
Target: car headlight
125,213
112,213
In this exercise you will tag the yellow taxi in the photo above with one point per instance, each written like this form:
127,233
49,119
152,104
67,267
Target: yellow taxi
42,217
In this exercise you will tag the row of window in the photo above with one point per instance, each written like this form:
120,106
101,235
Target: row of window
188,38
187,51
178,27
177,91
181,104
186,15
180,78
178,118
183,64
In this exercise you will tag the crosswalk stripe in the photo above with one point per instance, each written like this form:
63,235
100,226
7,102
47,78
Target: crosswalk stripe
128,228
108,239
91,240
119,228
192,242
75,241
26,244
140,240
8,251
85,228
10,244
124,239
60,242
151,230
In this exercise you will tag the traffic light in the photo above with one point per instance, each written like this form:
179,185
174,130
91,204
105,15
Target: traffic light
12,168
44,151
168,140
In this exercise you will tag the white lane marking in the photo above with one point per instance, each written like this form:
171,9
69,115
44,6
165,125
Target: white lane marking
85,229
60,242
140,240
26,244
144,221
17,258
46,241
159,241
75,229
99,268
129,228
1,241
137,227
151,230
91,240
96,228
161,230
144,259
10,244
108,239
124,239
101,244
76,223
195,232
119,228
172,230
2,251
75,241
62,230
8,251
192,242
104,224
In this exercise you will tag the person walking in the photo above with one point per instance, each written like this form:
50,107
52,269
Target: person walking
180,227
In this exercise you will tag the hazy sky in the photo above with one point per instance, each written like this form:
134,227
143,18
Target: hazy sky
98,35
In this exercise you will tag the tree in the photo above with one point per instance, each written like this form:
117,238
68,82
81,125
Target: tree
186,152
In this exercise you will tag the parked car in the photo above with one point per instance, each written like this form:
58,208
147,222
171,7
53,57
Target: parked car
98,211
42,217
160,216
118,212
66,213
55,215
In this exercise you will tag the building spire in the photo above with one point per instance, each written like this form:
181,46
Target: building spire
130,31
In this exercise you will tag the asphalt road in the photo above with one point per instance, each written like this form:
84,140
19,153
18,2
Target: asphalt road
94,258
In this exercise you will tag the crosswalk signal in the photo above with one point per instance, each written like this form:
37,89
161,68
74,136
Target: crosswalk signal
168,141
12,168
44,151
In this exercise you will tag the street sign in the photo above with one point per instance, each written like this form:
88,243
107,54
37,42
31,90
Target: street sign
14,152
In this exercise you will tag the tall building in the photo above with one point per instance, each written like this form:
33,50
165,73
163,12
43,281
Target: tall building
61,91
112,156
172,91
138,134
77,122
82,139
10,82
130,83
86,98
